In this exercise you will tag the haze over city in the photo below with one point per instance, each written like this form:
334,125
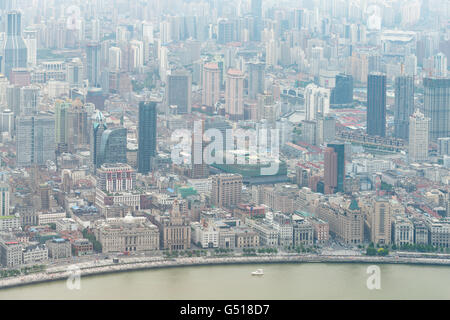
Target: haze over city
146,134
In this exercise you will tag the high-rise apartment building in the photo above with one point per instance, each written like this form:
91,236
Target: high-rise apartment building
62,122
211,84
317,101
418,137
234,94
115,59
30,39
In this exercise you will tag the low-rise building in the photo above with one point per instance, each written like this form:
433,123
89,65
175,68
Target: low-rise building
268,235
303,232
440,233
403,231
66,224
321,230
82,247
50,217
246,238
128,234
10,223
205,236
421,233
283,224
10,254
33,254
59,248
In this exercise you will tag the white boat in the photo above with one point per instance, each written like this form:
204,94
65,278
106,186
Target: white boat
258,272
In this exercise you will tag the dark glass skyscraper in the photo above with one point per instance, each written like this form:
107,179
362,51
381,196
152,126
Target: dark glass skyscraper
376,104
179,89
256,7
256,78
226,32
147,136
113,146
404,105
93,50
342,94
98,127
14,50
436,106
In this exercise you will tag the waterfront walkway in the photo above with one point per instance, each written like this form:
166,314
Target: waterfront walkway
141,263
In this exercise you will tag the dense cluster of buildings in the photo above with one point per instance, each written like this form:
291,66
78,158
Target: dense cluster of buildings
140,126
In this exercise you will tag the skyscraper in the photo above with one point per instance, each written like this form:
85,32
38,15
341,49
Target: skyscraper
342,93
14,50
35,139
78,126
256,7
200,169
256,78
113,146
4,199
30,39
29,99
93,50
226,32
62,122
97,129
234,94
334,162
179,91
317,101
115,59
147,136
376,104
75,73
436,106
404,105
211,84
418,137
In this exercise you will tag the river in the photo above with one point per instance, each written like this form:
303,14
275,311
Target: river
280,281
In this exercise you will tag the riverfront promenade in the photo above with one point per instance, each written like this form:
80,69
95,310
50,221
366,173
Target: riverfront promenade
141,263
